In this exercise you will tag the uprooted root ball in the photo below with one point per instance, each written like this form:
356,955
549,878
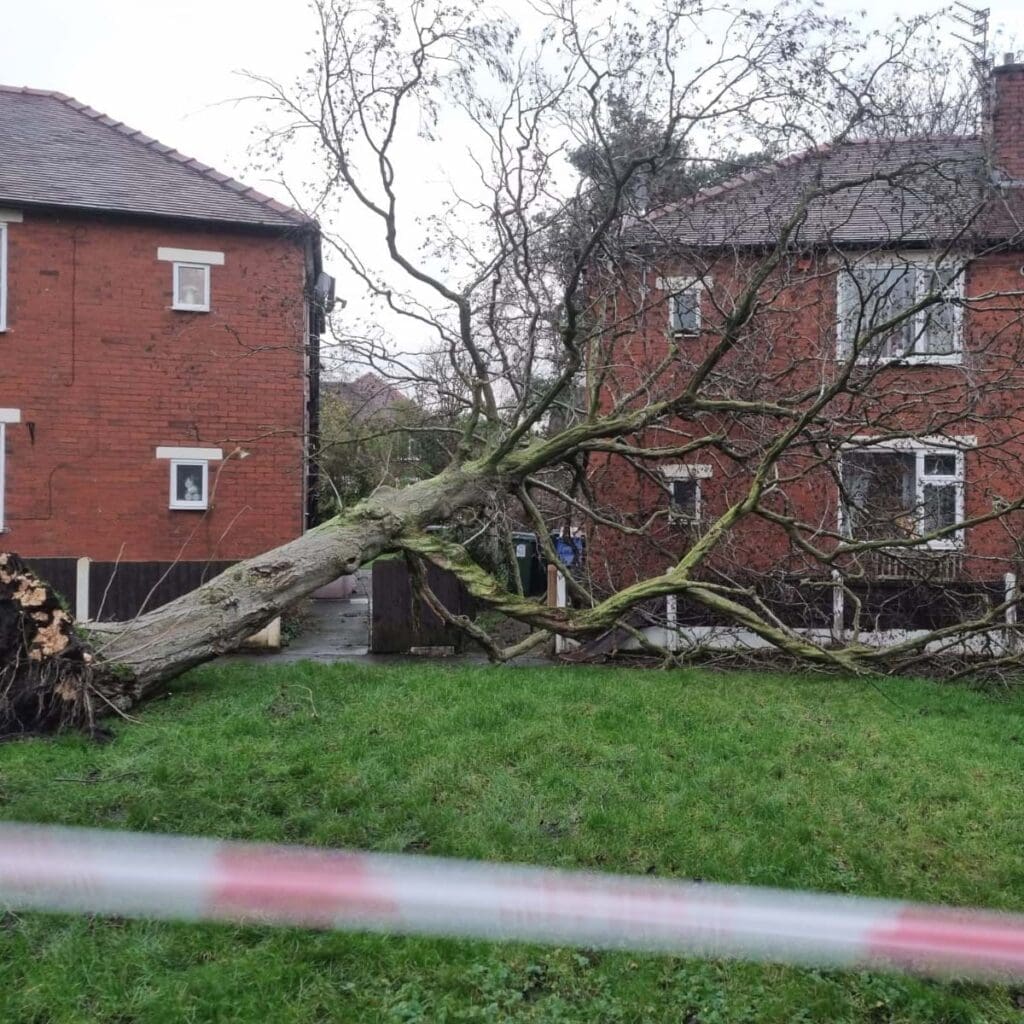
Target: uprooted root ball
47,672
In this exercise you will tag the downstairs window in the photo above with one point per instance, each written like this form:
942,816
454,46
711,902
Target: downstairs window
902,493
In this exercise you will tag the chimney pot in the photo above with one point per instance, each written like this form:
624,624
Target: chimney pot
1010,57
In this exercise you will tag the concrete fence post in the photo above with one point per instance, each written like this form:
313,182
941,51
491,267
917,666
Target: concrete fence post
82,567
838,608
1011,597
561,599
672,622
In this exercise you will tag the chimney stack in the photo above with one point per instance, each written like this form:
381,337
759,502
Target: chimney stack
1006,125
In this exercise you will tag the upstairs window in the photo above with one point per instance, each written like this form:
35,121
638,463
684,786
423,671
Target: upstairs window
903,493
684,491
6,217
190,277
872,293
684,506
3,279
683,304
684,311
192,287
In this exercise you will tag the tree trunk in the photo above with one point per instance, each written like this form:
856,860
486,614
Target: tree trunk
57,676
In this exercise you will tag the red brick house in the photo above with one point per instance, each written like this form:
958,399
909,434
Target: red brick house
159,340
924,440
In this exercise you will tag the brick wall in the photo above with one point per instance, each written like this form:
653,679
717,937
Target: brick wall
791,351
104,372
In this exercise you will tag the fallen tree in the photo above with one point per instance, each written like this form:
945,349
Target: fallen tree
541,307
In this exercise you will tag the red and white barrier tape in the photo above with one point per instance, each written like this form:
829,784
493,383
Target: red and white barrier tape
59,869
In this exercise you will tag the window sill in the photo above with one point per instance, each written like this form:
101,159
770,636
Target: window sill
191,309
919,550
955,359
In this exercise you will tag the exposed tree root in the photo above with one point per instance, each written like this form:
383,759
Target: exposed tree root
49,678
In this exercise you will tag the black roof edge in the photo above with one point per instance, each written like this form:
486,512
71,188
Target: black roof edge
297,228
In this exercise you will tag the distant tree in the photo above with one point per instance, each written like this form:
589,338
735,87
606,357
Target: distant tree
665,168
365,445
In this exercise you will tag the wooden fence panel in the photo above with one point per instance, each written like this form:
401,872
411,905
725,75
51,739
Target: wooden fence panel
119,591
399,623
60,573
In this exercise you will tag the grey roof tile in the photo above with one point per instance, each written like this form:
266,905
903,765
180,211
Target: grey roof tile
367,396
871,192
56,151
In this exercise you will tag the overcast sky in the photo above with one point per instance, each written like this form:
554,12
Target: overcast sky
173,70
168,69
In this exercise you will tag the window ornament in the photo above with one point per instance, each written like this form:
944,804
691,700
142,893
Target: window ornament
190,484
192,287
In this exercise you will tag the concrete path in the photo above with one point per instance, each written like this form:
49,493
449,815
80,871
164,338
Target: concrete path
333,631
339,630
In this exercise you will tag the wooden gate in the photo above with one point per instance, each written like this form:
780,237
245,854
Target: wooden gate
398,622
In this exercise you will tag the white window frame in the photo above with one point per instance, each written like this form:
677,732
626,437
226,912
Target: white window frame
178,302
6,217
6,416
3,282
190,506
694,473
921,447
185,456
848,308
675,286
201,259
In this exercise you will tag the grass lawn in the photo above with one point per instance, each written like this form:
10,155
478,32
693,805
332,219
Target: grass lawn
902,789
